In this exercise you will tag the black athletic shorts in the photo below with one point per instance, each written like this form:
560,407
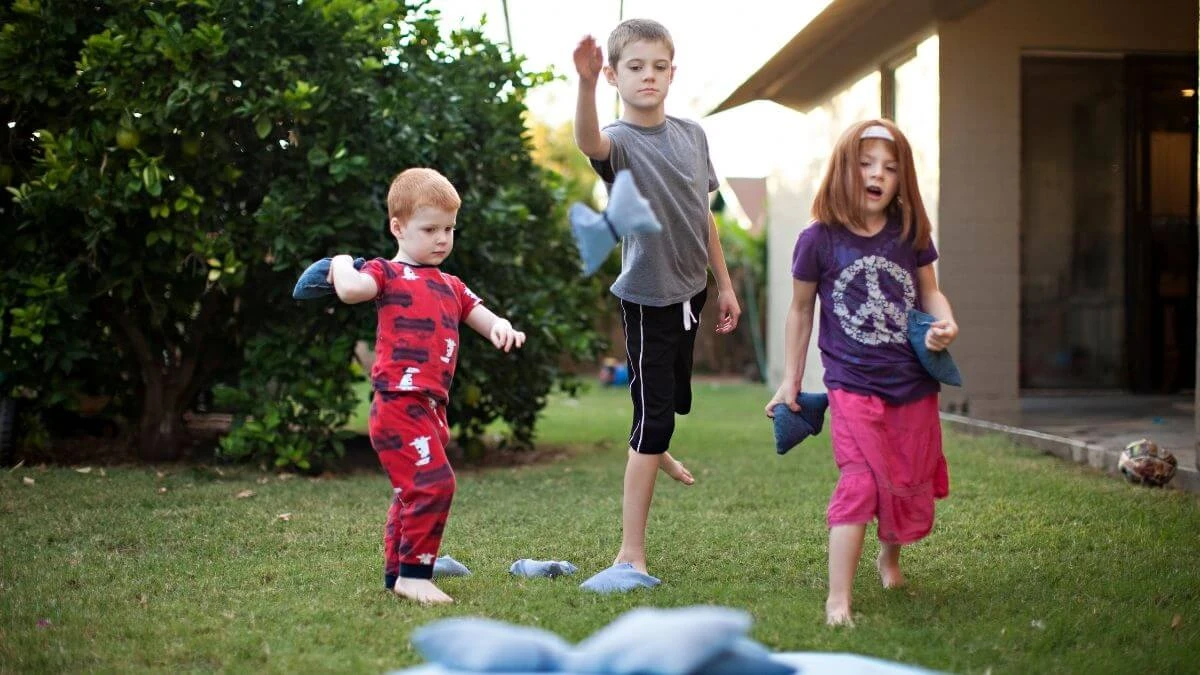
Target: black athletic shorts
658,345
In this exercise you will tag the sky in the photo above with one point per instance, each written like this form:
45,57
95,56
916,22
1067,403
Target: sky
718,45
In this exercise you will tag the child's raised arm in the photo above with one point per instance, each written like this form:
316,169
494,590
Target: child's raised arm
351,286
589,62
497,329
797,333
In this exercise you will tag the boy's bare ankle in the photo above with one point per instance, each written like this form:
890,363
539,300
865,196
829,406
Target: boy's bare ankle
421,590
638,561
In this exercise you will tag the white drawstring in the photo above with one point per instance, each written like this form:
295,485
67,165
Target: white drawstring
689,318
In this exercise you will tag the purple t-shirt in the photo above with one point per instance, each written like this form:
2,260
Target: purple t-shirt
866,286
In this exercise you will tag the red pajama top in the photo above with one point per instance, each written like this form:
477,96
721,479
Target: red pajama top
418,308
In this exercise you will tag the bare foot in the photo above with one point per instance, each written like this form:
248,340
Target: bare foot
889,573
837,613
421,590
673,468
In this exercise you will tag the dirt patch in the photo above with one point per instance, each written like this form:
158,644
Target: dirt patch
107,448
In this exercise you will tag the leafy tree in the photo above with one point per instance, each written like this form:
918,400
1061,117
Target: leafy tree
554,149
175,164
746,257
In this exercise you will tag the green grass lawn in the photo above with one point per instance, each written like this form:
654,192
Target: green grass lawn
1035,565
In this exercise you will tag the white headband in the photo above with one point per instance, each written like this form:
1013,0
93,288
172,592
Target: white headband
877,131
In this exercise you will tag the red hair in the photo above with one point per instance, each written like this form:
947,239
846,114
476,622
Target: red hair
839,200
414,188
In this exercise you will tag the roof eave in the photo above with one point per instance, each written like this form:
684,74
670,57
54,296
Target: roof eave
849,39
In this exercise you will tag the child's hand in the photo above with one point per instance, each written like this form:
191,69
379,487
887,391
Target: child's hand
785,394
504,336
941,334
589,60
329,276
728,312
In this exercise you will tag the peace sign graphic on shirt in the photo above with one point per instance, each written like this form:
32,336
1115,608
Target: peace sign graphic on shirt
869,323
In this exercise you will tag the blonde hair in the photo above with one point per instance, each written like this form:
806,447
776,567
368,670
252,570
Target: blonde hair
839,199
414,188
633,30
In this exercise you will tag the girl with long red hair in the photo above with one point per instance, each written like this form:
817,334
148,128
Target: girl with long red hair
869,256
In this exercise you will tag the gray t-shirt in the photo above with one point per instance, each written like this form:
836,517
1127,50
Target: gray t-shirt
672,170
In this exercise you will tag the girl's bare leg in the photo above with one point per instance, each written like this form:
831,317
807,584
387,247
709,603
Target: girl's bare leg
845,548
888,564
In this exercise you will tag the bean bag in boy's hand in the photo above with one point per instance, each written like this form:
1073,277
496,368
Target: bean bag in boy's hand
938,364
793,427
314,280
487,646
596,233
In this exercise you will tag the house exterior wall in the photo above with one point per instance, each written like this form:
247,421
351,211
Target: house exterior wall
793,182
791,186
980,139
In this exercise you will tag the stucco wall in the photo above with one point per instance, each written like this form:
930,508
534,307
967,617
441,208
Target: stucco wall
980,134
793,183
791,186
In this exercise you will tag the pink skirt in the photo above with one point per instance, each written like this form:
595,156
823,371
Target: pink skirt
891,463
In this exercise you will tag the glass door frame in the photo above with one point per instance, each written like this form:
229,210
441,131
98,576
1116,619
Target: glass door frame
1144,338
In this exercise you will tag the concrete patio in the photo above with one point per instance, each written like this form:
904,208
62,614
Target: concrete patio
1093,429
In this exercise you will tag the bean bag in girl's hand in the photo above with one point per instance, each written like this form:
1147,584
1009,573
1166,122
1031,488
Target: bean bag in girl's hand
939,365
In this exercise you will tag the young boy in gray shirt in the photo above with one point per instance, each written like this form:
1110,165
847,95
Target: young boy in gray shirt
664,275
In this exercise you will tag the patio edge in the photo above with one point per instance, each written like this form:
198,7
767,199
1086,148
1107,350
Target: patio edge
1095,456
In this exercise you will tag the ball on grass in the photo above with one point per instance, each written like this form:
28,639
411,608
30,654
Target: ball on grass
1145,463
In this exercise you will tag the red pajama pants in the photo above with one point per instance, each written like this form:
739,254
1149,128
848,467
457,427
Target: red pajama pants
409,433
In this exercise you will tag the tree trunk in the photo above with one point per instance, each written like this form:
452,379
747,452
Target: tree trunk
168,385
161,431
